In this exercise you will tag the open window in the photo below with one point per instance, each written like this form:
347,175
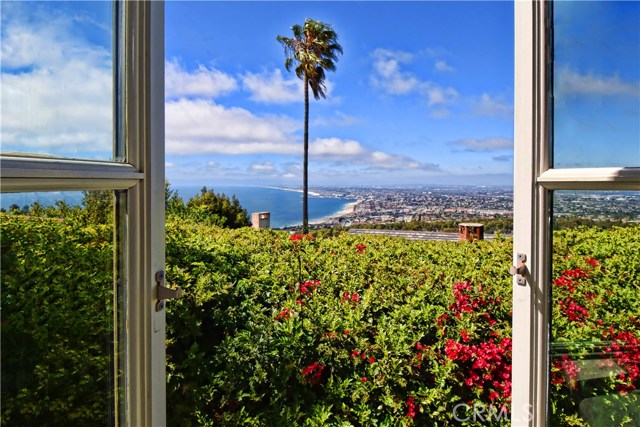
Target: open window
51,147
577,124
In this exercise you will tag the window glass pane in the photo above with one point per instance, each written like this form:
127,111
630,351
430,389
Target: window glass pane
58,338
57,78
596,84
595,331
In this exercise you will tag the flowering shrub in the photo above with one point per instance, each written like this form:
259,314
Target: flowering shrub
280,331
595,350
285,330
313,373
370,330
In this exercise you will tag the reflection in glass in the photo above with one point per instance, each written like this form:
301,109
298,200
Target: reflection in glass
596,84
595,330
58,364
57,78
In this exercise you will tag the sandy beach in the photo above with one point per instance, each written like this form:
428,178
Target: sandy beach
349,208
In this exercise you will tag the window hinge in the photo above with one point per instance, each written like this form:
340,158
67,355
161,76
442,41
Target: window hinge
163,293
520,271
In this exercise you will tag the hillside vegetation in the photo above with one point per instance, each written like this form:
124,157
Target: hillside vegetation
284,330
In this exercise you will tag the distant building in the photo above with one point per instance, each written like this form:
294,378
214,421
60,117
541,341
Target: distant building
261,220
468,231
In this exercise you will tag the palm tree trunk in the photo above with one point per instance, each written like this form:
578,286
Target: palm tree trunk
305,163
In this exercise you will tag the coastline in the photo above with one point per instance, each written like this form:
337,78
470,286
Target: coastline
347,210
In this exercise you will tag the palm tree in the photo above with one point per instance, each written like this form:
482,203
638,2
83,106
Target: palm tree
313,49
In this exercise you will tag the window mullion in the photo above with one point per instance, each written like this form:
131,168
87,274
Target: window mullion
143,133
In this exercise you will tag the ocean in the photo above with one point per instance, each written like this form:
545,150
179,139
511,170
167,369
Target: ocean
284,205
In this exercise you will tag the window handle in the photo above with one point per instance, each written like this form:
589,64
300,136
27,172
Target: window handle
163,293
521,270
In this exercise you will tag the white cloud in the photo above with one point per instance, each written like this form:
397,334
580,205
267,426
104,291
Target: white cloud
381,160
483,145
45,37
264,167
443,67
439,95
569,81
354,153
56,88
273,87
389,77
492,107
335,148
203,82
292,170
201,126
387,74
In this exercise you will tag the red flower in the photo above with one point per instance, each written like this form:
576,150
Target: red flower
570,369
287,313
411,407
313,373
441,319
296,237
349,296
346,332
363,379
309,286
574,311
592,262
361,248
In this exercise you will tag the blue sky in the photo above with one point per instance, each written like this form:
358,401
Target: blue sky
597,84
422,95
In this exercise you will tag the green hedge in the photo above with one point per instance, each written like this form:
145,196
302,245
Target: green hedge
363,330
288,330
57,322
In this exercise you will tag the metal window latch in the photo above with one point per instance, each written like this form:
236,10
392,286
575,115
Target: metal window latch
521,270
163,293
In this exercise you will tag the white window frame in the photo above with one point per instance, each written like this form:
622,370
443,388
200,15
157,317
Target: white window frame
140,112
534,179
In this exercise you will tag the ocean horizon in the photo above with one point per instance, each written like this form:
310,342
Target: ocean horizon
284,204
